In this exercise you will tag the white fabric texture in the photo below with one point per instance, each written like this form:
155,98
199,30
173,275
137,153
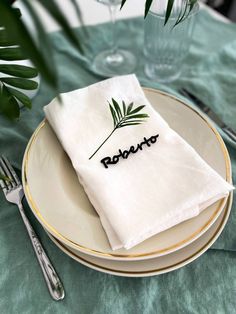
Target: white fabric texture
132,197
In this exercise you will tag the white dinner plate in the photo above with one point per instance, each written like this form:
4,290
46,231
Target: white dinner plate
158,265
59,202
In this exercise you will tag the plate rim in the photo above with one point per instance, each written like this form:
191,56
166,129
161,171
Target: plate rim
154,272
128,256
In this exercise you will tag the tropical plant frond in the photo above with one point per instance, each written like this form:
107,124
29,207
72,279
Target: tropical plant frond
46,48
136,110
130,107
18,70
8,105
55,12
113,113
147,7
12,53
122,4
188,6
25,100
169,10
123,116
20,82
17,31
130,124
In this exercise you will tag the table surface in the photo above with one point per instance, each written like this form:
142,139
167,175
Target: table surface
204,286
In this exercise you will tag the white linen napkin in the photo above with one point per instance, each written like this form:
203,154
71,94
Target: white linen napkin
164,183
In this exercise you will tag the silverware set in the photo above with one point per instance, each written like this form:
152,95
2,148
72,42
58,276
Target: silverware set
14,193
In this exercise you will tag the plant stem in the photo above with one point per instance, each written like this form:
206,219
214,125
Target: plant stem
102,143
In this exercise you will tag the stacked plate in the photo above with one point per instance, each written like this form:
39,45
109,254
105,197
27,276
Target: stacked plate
59,202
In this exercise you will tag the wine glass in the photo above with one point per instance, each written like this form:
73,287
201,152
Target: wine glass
113,61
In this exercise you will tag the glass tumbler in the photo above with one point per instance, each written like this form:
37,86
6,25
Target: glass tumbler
166,46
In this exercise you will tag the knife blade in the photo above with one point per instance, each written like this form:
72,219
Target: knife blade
211,114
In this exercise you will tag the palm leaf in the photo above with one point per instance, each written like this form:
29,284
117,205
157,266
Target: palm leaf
25,100
137,116
10,54
124,108
4,39
121,121
46,48
15,11
113,113
141,120
20,82
136,110
169,10
17,31
147,7
186,14
12,110
130,116
8,105
122,4
131,121
77,10
129,124
18,70
182,14
192,3
53,9
130,108
117,108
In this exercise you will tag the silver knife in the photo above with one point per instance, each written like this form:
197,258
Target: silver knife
211,114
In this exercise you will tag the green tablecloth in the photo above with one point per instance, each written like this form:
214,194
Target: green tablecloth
207,285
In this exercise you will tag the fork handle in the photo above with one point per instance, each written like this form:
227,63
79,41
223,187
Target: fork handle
52,280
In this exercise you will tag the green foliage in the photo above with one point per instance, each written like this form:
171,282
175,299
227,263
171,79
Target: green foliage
147,7
123,116
126,116
19,77
14,33
18,70
169,10
184,12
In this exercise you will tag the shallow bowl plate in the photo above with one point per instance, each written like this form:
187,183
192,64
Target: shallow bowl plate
59,202
158,265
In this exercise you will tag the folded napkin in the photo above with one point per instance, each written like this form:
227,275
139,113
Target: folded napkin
140,175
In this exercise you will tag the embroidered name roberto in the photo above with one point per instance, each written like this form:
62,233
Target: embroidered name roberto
125,154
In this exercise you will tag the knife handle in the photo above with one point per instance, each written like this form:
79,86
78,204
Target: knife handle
231,133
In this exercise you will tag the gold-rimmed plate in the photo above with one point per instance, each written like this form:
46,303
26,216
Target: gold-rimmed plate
62,207
158,265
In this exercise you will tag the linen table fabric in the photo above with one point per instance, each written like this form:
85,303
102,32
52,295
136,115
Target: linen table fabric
144,180
205,286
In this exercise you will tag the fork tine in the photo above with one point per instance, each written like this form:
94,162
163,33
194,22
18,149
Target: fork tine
11,169
7,173
2,184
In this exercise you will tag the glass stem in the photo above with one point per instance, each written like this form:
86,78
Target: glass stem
112,10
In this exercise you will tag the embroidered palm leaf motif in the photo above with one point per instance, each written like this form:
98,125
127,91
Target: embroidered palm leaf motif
123,116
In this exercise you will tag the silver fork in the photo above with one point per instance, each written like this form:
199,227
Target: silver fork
14,193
